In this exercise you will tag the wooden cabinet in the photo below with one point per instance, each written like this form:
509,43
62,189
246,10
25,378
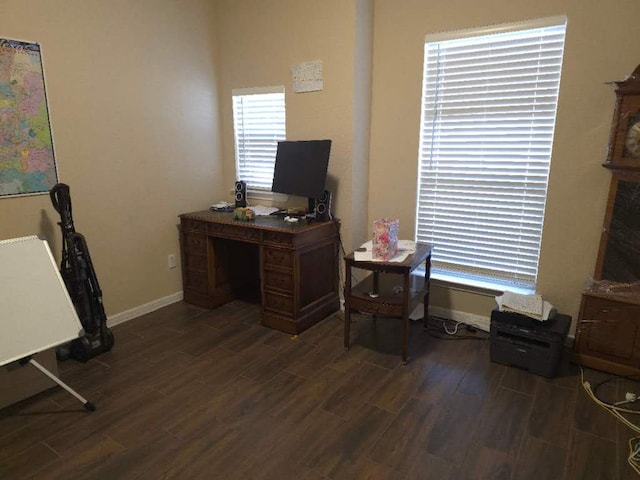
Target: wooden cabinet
292,268
607,331
608,334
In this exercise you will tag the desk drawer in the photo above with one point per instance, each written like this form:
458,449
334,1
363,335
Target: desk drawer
195,244
195,261
196,226
278,303
609,329
375,306
196,281
276,257
277,281
234,231
279,238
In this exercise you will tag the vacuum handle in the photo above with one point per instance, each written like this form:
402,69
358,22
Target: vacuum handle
60,197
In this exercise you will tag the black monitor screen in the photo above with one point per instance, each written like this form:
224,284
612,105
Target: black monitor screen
301,167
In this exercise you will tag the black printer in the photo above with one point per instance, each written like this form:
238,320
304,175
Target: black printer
523,342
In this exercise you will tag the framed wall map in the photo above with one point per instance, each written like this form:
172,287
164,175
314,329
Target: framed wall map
27,161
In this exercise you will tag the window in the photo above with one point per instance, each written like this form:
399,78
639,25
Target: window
488,114
259,124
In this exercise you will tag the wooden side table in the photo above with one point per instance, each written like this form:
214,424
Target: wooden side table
383,295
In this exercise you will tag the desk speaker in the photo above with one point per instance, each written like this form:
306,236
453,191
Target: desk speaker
323,206
241,194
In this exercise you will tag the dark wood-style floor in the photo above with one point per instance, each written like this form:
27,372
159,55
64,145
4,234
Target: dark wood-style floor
188,393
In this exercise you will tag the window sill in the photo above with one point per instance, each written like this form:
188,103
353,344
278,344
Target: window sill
476,286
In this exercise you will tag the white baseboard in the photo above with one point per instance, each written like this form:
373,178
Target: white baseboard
483,323
143,309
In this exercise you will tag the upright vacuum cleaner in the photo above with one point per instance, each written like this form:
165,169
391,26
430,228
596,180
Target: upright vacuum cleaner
80,279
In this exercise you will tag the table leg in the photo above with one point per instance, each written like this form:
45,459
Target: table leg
376,289
405,316
347,305
427,288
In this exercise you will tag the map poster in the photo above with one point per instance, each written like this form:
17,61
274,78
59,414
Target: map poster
27,162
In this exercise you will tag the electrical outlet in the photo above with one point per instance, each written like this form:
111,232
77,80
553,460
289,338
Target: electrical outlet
171,260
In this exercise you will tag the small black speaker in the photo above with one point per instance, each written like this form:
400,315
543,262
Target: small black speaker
241,194
323,206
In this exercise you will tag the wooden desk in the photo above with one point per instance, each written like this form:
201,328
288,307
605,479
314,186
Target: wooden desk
382,296
293,266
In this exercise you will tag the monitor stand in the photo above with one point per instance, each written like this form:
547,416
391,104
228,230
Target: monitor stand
295,212
289,212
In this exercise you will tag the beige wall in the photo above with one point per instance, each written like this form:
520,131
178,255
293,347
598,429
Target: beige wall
132,99
259,41
600,47
358,212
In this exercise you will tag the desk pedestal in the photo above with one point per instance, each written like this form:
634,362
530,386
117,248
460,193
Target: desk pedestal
292,268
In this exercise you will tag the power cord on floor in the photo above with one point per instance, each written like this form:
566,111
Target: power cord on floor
446,329
630,397
634,454
634,443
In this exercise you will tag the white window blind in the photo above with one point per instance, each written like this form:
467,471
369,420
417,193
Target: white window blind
259,123
488,116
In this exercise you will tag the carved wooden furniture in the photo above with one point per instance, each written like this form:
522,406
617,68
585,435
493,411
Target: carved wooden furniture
608,330
388,291
607,337
292,267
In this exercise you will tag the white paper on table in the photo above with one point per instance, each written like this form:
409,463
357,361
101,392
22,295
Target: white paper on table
367,245
366,255
261,210
407,245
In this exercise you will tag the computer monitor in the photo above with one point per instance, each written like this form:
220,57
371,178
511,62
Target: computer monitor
301,167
